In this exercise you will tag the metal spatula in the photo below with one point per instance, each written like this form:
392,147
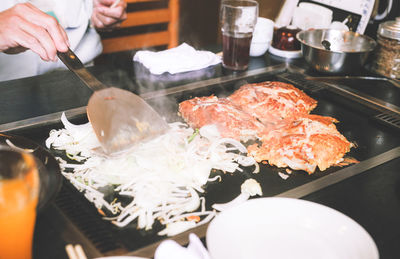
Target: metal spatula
119,118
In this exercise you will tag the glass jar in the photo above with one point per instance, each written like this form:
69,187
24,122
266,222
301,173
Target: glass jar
386,58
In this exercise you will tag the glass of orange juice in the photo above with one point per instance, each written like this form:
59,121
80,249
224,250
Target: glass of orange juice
19,190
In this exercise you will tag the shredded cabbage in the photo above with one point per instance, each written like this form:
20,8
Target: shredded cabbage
163,177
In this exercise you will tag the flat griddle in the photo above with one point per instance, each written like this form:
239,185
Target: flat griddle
361,121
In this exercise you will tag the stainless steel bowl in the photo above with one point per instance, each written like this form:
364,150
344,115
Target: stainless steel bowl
335,51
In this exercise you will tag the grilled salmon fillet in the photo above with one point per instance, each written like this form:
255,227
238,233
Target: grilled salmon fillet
231,121
303,143
272,101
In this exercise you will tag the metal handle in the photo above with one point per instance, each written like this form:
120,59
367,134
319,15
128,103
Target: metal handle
70,59
75,65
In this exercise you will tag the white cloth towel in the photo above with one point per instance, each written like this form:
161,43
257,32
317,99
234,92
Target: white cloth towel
176,60
170,249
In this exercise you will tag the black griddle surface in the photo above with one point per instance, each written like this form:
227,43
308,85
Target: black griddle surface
355,123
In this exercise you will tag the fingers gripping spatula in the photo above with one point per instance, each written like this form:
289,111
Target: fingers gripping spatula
120,119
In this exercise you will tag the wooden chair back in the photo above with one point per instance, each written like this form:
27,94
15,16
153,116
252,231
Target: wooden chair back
150,23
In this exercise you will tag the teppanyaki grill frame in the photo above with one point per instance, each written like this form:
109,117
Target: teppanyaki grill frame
369,107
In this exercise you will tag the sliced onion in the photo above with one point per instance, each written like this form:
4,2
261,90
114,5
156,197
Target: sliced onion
163,176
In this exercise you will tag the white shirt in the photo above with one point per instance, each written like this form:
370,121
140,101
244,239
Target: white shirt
74,17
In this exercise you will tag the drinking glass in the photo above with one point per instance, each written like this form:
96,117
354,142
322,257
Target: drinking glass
238,19
19,189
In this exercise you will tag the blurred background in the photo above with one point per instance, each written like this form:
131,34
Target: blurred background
161,24
199,20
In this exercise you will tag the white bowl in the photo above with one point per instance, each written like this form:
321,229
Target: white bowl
262,36
259,48
287,228
263,30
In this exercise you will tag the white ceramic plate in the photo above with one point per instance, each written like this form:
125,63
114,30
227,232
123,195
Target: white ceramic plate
121,257
287,228
285,53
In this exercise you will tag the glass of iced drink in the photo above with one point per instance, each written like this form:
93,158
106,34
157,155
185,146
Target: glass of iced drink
238,19
19,190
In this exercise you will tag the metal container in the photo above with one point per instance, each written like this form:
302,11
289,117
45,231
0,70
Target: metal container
386,58
335,51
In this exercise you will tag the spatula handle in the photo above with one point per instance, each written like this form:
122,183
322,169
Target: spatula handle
74,64
70,59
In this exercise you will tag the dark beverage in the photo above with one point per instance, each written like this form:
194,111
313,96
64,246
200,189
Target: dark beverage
236,51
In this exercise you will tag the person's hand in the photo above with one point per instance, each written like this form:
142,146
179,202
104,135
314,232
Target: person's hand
25,27
105,16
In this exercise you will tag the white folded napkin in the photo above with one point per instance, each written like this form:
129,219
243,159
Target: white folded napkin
176,60
170,249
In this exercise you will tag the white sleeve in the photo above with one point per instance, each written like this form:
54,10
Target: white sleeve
70,13
73,13
7,4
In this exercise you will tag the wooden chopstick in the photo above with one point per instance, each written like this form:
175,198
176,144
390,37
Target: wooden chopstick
75,252
115,3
